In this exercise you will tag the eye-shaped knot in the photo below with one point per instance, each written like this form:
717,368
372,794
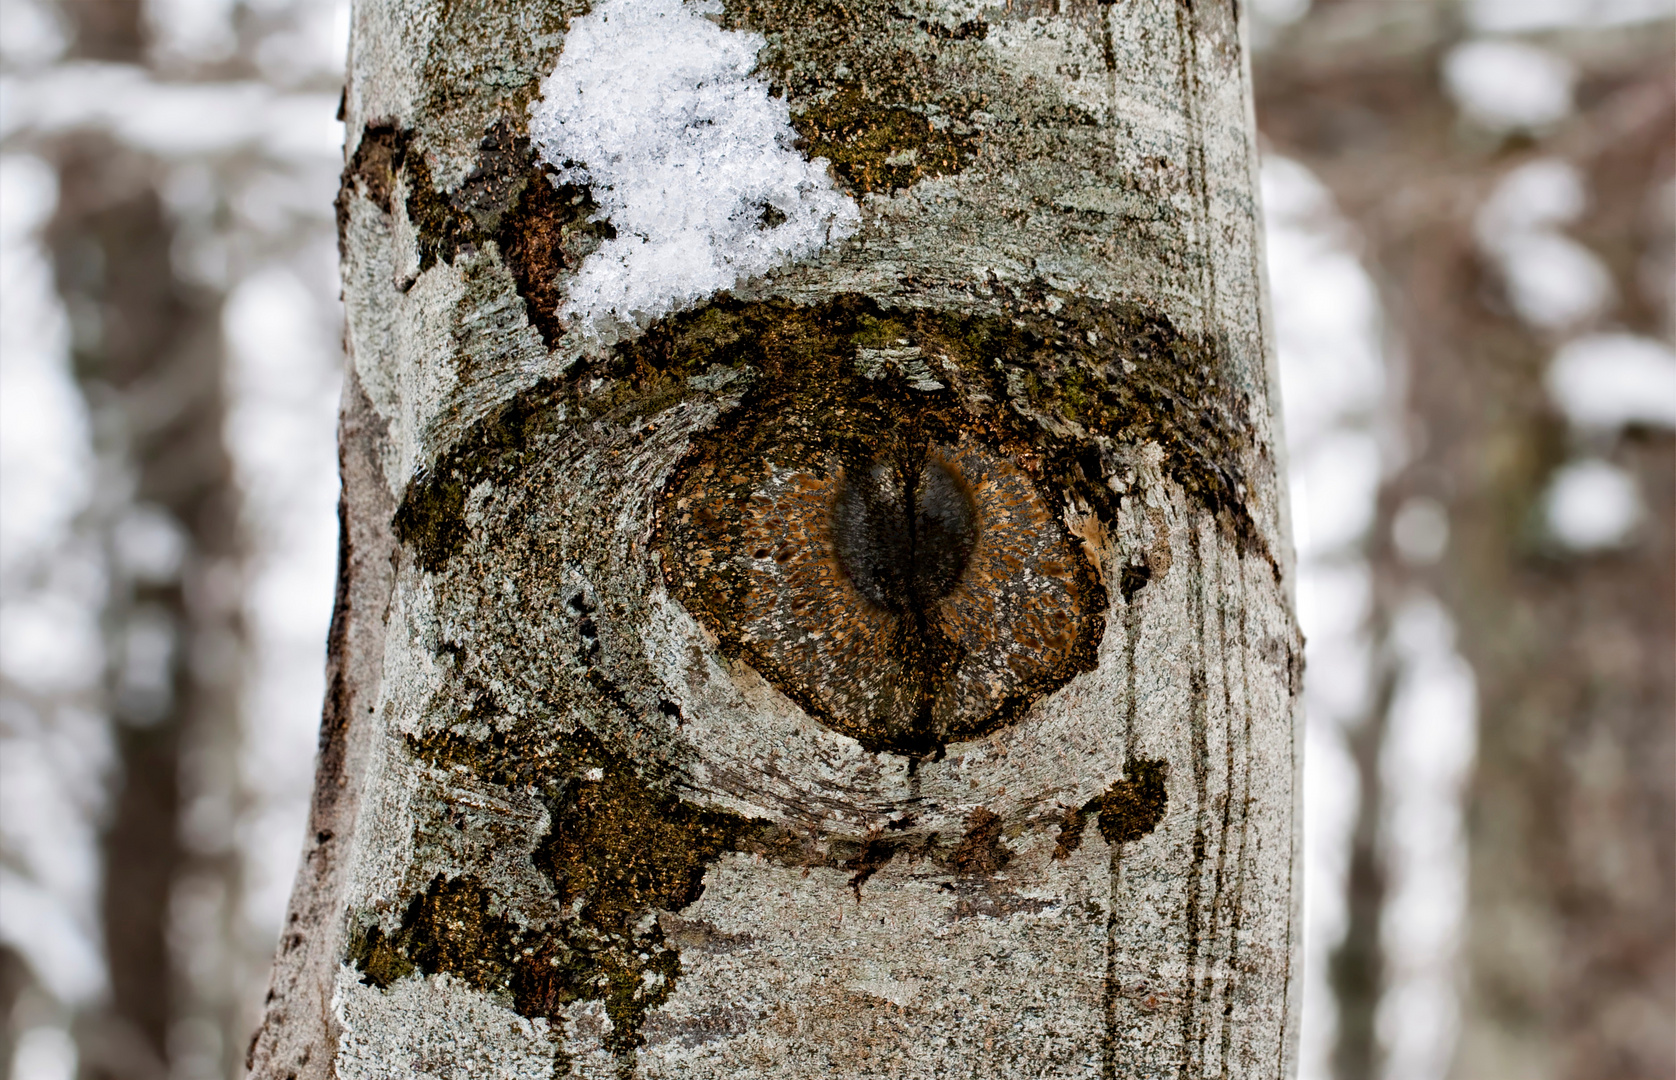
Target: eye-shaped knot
904,537
908,600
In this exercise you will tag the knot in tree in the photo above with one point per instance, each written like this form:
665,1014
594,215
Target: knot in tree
877,553
904,534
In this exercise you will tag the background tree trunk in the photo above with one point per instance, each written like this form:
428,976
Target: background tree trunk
160,363
651,747
146,352
1569,955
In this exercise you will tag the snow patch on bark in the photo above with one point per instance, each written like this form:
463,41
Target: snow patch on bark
689,157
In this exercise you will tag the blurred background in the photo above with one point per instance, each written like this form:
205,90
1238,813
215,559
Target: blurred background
1471,210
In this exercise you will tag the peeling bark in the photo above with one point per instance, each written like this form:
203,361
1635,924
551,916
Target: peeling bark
730,693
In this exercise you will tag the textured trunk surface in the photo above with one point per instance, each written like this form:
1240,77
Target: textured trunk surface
882,665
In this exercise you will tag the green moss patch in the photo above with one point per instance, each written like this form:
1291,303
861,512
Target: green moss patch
877,147
887,97
452,928
430,520
448,928
619,848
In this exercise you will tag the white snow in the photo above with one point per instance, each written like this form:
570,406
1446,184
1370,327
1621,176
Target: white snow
1508,84
1604,381
1591,505
1553,281
688,155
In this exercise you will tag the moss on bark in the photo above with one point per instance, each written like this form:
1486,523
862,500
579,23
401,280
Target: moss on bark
1128,810
619,849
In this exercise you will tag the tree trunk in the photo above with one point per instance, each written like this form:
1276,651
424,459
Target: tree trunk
1570,969
815,611
147,355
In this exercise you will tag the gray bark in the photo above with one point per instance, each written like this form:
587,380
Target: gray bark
652,747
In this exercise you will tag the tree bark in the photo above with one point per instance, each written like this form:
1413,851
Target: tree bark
883,664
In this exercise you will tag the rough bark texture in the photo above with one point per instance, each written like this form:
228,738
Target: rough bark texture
651,750
1571,937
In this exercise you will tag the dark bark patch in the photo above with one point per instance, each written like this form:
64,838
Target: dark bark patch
879,147
872,857
1070,832
949,595
371,170
1132,808
630,982
541,229
1133,579
980,850
1128,810
619,844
